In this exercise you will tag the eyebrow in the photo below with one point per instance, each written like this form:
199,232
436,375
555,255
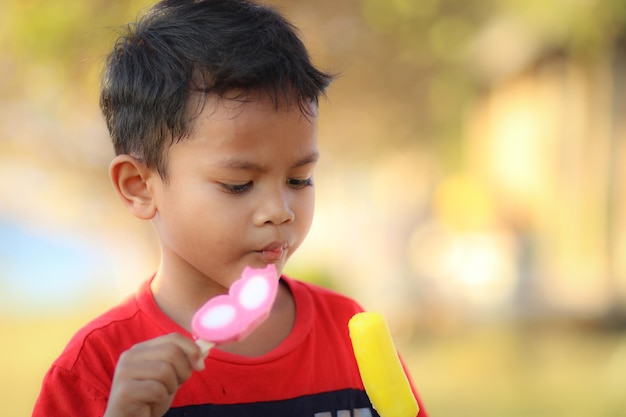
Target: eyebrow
239,164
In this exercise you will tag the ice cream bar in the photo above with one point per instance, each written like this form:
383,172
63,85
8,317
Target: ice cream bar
383,376
231,317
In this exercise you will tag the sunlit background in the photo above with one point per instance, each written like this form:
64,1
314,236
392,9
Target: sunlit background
472,188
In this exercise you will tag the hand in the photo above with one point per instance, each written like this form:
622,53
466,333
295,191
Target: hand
148,375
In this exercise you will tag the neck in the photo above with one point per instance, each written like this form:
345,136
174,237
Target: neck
179,299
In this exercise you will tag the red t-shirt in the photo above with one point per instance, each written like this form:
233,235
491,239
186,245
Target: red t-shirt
311,373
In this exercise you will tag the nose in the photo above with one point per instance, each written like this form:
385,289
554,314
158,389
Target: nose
275,208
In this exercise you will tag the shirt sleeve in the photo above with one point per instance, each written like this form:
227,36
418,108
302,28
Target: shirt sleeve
65,394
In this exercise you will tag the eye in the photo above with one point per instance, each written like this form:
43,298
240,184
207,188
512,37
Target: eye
299,183
237,188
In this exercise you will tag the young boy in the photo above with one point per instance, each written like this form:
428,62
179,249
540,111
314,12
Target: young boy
212,109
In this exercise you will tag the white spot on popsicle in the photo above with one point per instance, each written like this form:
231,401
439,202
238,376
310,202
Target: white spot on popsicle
219,316
254,293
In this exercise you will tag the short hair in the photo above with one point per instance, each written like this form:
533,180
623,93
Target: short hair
185,48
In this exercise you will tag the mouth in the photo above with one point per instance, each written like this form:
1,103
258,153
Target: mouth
273,252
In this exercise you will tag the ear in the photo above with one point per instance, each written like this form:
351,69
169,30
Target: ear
131,180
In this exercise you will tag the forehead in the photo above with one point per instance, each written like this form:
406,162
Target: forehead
232,132
234,101
240,111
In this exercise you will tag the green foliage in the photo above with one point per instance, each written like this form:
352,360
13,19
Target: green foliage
445,24
581,27
436,40
65,34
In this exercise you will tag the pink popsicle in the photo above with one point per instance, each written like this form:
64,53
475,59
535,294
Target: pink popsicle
233,316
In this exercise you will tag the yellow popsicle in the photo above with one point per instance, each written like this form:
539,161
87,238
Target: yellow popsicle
384,379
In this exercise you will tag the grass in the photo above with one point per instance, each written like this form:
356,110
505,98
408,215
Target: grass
511,370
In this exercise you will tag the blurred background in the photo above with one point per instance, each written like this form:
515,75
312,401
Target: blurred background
471,188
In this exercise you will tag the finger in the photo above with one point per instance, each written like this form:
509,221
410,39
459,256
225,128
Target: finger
145,368
142,392
159,361
190,349
138,397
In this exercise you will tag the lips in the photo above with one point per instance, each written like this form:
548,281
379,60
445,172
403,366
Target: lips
273,252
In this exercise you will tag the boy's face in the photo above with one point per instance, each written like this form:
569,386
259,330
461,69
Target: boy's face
239,190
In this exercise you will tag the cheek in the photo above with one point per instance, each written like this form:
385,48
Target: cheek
190,214
305,210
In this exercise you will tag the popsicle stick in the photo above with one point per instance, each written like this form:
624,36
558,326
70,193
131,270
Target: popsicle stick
205,346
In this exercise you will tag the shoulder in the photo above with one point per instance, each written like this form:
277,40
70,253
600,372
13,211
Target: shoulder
91,338
104,338
81,376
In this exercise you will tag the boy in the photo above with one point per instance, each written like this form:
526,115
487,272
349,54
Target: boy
212,109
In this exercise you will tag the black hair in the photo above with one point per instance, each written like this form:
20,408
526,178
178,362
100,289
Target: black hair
181,49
